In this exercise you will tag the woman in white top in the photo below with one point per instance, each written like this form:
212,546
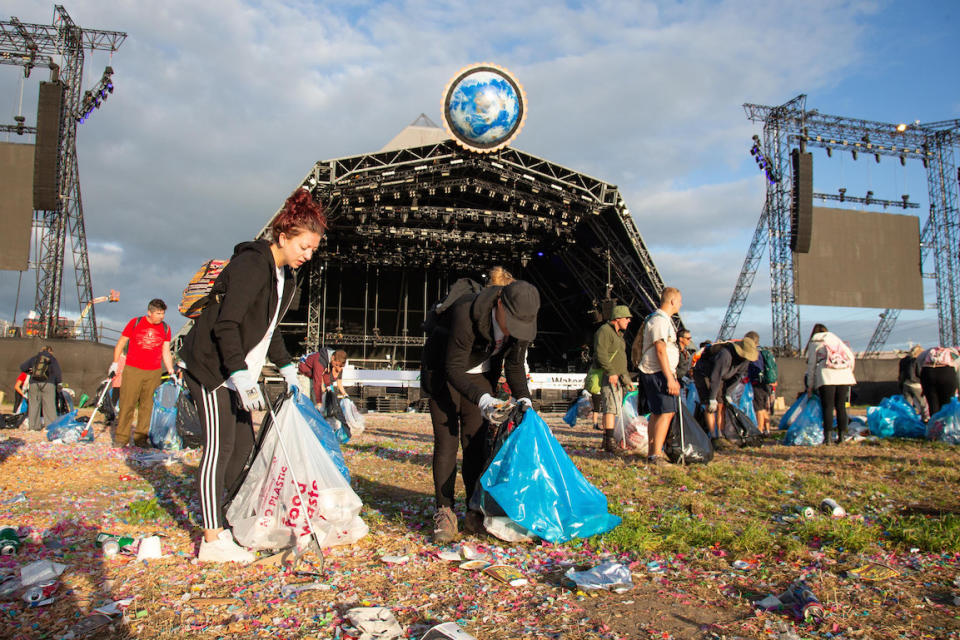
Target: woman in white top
830,364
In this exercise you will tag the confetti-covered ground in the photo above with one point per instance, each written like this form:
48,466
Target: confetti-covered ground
61,496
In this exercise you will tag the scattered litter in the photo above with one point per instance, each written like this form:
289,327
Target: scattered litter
404,559
374,623
291,589
768,603
506,573
149,548
741,564
609,575
474,565
40,571
830,507
873,572
447,631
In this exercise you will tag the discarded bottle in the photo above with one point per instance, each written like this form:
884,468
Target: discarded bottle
830,506
9,541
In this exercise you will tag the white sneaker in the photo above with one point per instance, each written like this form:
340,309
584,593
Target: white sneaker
224,549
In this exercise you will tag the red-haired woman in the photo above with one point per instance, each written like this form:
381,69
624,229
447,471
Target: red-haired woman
226,349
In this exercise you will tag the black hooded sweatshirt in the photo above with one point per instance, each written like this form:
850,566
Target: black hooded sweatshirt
242,303
471,342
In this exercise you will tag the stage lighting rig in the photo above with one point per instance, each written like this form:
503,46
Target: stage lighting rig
763,162
93,98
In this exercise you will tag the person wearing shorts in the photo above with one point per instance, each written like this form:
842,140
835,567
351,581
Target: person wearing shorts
658,356
610,355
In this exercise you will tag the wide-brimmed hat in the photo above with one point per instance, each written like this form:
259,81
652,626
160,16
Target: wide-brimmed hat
746,348
521,301
620,311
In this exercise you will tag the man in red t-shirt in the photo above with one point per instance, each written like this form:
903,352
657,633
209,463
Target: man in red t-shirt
147,339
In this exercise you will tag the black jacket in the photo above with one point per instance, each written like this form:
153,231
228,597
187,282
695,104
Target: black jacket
55,375
721,365
242,303
471,342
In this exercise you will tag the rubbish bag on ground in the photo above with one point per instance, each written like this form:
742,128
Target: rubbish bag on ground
944,425
64,401
534,481
806,426
895,418
67,429
579,408
629,428
352,416
746,402
696,443
268,512
189,427
739,429
163,421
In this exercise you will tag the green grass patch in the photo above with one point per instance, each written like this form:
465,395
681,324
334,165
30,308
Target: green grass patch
144,511
928,533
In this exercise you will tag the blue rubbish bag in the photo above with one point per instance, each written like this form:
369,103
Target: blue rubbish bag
793,412
944,425
538,487
895,418
322,430
163,421
746,402
581,407
806,425
691,398
67,429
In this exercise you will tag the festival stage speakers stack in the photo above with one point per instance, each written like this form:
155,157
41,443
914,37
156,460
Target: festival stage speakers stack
801,204
47,147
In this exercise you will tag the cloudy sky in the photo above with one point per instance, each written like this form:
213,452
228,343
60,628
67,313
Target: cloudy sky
221,107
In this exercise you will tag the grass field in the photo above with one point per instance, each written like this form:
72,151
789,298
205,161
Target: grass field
703,543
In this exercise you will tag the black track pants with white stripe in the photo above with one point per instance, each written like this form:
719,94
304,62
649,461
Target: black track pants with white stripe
227,442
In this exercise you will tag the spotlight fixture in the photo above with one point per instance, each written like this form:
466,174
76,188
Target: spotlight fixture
94,98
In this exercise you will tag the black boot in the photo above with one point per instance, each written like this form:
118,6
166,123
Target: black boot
609,445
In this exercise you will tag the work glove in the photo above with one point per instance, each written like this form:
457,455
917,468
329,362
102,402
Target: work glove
289,373
112,371
712,407
491,408
248,390
525,403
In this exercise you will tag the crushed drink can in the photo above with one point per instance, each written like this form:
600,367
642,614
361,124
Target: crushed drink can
830,506
806,602
805,512
38,593
9,541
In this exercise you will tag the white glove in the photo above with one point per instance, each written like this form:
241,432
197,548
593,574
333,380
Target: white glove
248,390
712,407
488,406
289,373
526,403
113,369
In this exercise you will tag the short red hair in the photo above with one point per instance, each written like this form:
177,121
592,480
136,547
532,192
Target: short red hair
300,213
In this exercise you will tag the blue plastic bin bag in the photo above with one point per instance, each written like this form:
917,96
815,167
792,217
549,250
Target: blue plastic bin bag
944,425
322,429
68,429
746,402
580,408
895,418
539,488
806,425
793,412
690,397
163,421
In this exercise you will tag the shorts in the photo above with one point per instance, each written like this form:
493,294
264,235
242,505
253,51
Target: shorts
659,400
761,397
611,398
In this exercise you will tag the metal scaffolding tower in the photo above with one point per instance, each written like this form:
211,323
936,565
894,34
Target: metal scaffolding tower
25,45
791,124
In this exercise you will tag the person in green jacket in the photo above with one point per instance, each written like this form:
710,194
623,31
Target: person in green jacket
610,354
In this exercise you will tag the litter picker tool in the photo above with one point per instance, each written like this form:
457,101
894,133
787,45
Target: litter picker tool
683,448
296,485
103,394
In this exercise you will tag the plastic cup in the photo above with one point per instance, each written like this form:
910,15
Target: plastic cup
149,548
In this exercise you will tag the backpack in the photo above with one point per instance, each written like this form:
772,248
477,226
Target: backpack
41,367
940,357
836,356
196,295
460,288
769,373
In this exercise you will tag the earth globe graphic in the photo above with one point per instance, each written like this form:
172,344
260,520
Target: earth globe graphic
484,107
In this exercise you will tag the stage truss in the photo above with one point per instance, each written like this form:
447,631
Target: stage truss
29,45
790,125
406,223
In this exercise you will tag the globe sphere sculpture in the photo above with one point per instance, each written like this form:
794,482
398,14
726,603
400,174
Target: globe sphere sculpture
484,107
